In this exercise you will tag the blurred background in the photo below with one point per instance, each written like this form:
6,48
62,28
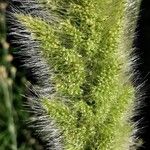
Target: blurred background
142,44
14,135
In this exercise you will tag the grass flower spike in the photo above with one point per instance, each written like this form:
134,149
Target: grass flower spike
77,55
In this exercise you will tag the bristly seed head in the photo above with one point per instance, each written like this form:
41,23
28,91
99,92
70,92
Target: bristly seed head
77,57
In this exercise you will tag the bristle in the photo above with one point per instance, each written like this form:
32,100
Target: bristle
27,53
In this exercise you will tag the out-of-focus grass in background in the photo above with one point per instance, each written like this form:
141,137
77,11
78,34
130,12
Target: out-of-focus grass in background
8,138
13,132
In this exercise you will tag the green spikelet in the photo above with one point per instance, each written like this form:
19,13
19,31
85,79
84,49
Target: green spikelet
87,45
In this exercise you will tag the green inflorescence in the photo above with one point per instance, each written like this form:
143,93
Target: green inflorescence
94,95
